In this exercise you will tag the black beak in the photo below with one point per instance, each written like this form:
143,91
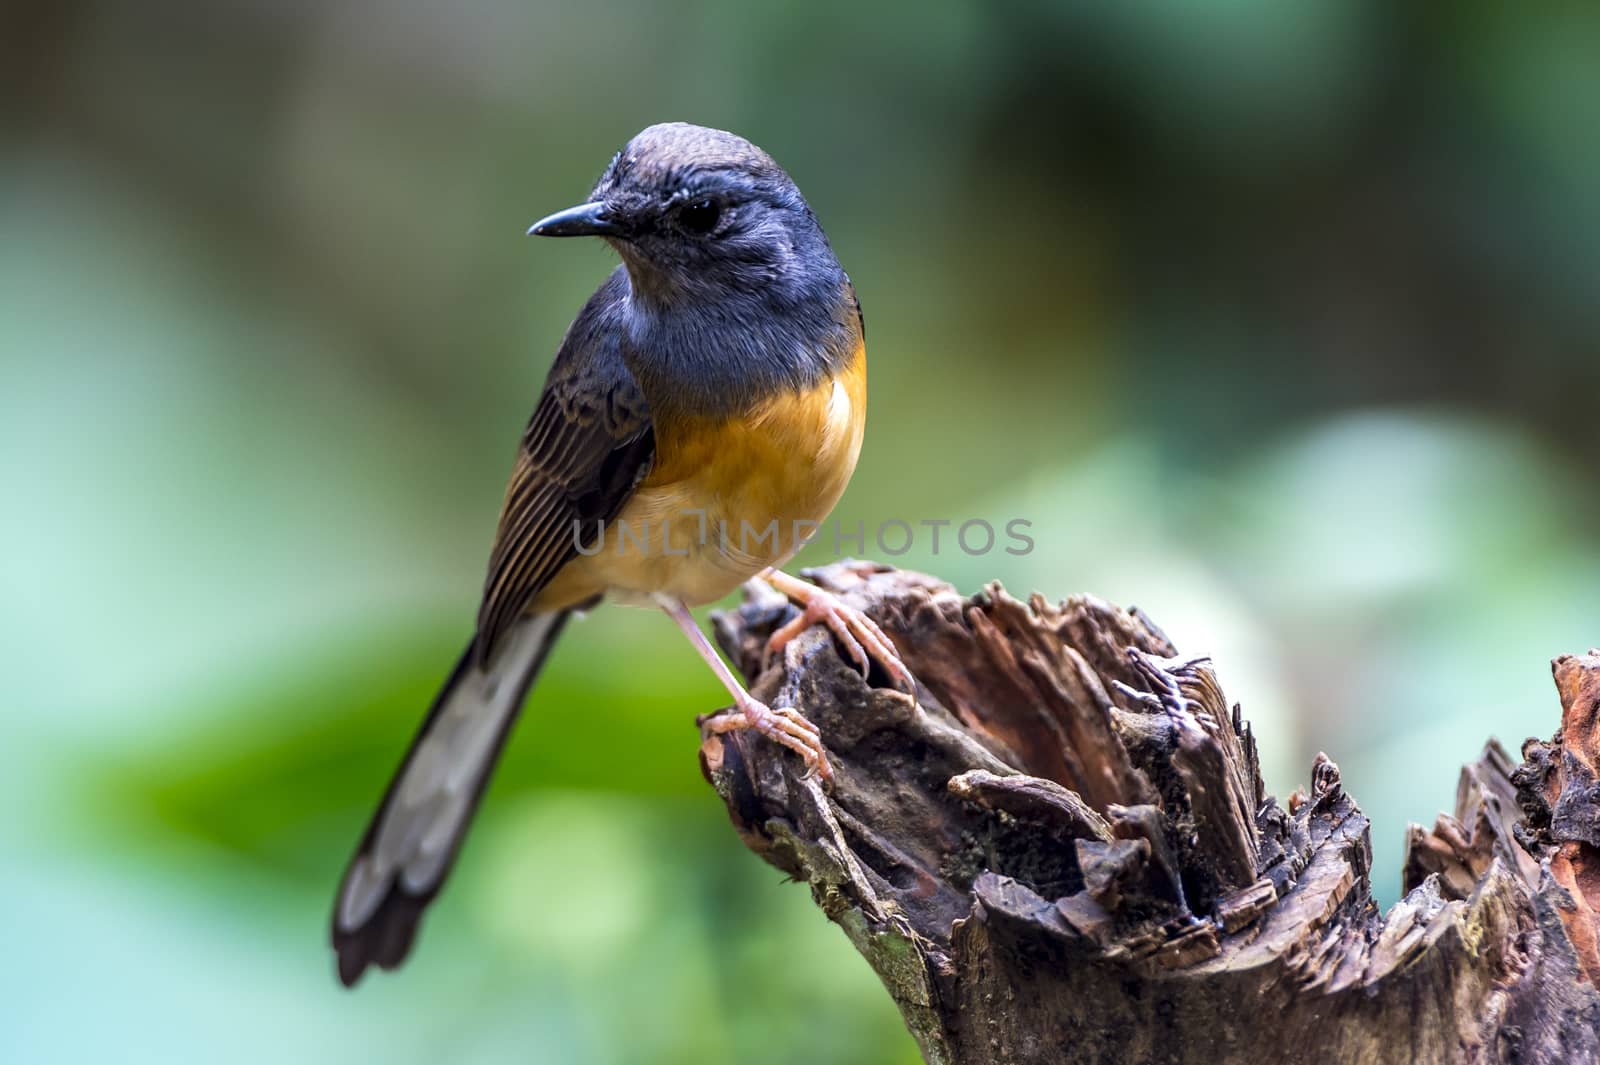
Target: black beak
584,220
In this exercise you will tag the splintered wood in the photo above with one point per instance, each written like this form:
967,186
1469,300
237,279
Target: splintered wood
1061,850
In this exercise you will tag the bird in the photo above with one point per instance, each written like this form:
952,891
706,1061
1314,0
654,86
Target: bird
702,416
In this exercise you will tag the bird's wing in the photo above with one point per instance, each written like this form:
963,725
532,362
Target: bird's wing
589,444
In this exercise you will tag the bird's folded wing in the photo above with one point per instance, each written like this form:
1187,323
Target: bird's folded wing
587,447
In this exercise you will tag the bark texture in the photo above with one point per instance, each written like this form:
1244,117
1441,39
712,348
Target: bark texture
1061,851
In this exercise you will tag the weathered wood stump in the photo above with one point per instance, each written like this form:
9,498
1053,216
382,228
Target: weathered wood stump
1061,851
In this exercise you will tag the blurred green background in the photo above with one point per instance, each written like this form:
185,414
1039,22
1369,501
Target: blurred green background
1278,320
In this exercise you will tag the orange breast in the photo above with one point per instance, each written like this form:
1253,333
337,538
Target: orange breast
728,497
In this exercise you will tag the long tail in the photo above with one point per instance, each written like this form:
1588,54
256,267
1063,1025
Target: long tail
413,839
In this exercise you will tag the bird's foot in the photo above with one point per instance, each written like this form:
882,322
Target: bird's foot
783,725
861,637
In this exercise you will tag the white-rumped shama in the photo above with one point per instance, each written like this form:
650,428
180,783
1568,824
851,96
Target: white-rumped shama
702,417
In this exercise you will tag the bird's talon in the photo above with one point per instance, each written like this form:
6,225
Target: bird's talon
862,639
800,722
784,726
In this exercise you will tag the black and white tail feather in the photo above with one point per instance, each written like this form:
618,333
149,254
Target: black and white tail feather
408,849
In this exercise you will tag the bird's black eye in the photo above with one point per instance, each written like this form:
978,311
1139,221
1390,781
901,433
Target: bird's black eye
701,216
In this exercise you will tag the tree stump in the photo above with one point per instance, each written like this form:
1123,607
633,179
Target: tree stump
1061,851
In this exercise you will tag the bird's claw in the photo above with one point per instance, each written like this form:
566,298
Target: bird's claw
862,639
783,725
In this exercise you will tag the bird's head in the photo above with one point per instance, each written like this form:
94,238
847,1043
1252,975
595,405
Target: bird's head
699,214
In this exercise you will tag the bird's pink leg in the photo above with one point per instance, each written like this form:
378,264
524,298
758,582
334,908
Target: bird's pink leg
860,636
783,725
